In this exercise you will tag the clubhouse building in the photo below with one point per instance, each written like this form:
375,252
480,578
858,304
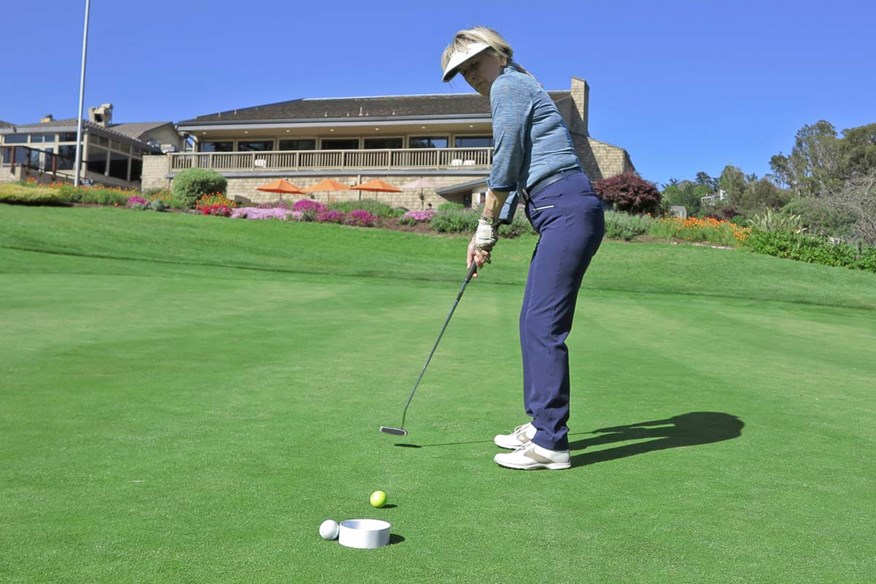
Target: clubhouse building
436,148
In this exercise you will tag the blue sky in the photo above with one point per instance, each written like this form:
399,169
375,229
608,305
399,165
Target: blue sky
683,85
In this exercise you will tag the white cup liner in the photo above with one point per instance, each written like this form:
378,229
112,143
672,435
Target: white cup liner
364,533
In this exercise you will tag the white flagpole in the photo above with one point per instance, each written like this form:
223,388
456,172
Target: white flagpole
81,96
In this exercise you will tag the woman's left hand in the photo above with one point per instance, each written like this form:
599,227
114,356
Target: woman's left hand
479,256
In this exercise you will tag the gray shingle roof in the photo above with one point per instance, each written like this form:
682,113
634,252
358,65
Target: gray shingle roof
70,125
53,124
137,130
402,106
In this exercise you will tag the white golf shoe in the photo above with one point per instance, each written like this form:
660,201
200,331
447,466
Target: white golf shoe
532,457
521,436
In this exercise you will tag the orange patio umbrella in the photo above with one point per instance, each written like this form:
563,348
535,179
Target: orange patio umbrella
326,184
280,186
377,186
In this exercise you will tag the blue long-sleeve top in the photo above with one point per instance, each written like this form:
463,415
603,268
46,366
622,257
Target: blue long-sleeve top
530,140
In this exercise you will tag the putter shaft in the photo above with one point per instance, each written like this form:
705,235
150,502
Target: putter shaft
400,431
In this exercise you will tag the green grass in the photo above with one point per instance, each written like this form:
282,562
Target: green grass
186,398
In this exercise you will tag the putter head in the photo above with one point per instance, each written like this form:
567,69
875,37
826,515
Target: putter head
393,431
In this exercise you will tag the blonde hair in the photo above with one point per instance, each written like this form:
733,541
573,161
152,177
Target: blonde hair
482,34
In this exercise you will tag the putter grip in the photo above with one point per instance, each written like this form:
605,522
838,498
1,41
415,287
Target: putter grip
472,269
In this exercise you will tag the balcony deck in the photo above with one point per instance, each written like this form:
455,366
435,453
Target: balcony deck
413,159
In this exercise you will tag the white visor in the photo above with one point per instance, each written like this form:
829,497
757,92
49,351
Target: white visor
460,57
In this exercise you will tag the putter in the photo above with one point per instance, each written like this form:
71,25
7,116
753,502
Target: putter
400,431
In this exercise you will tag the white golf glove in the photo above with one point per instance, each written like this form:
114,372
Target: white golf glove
486,235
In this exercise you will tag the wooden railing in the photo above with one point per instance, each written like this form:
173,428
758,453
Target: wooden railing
30,158
401,159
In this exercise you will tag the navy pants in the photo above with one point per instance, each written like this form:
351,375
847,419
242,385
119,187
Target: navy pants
568,217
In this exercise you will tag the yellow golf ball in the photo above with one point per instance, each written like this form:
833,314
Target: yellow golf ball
378,499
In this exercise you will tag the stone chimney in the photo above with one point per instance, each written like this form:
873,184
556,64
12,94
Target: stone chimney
101,115
581,101
46,119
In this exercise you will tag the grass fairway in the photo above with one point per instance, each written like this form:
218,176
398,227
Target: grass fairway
186,398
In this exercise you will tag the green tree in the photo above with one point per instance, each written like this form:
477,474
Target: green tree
815,166
858,199
703,179
733,182
759,196
687,194
858,148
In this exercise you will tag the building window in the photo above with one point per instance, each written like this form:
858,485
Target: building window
136,169
428,141
298,144
66,157
15,139
118,146
118,166
96,160
340,143
255,146
216,146
473,141
383,143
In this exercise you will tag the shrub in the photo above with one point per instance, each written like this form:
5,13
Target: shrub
624,226
329,216
867,259
305,205
191,184
215,204
214,199
815,250
360,218
452,218
155,194
699,230
414,217
630,193
20,194
821,217
376,208
138,203
218,210
309,209
97,195
769,221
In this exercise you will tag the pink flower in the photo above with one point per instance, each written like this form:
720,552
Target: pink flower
360,218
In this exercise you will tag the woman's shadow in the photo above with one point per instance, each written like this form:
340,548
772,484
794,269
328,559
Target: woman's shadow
688,429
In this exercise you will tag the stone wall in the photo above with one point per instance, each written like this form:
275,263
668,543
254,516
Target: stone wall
601,160
6,174
155,171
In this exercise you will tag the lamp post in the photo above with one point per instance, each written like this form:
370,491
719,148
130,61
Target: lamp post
81,96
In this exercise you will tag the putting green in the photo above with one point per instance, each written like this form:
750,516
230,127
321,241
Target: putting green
164,418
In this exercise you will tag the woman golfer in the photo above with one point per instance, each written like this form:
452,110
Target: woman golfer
534,157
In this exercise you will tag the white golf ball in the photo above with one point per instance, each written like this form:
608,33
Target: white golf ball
328,529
